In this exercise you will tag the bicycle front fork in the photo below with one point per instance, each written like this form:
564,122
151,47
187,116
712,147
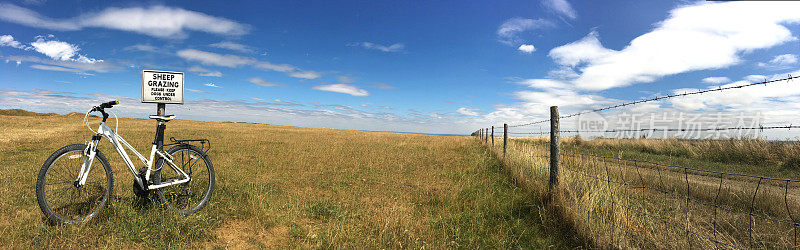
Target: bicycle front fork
88,157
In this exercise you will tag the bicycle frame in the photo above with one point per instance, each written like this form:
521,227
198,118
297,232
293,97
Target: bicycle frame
118,142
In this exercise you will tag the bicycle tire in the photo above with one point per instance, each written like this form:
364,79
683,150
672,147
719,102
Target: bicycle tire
53,214
169,199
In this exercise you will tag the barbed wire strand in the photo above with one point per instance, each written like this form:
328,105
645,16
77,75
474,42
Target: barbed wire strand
661,130
765,82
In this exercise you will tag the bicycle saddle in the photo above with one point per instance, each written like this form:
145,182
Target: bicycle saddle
166,117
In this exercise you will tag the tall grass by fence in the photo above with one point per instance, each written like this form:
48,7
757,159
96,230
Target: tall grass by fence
642,199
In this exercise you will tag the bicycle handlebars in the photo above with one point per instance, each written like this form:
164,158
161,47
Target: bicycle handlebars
105,106
102,108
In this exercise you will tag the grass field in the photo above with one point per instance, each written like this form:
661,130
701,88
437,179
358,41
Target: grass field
619,215
280,187
748,156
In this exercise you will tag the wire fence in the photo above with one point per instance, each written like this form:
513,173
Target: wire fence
630,194
659,130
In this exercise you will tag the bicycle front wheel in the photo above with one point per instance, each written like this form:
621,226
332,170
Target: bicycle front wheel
189,197
60,198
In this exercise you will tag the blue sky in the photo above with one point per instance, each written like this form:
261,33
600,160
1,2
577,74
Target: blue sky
437,67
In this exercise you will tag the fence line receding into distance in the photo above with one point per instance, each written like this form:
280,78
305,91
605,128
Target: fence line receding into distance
622,202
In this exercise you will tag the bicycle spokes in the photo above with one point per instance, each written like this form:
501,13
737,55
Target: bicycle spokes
186,195
63,195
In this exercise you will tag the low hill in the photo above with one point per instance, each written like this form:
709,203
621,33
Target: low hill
22,112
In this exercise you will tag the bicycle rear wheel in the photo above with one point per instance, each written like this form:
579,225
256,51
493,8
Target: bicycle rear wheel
60,199
188,197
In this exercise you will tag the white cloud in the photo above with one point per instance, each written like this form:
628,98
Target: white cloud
342,88
157,21
8,40
588,49
784,59
509,30
276,67
397,47
535,104
770,98
205,72
261,82
278,102
559,97
20,15
544,83
55,68
562,7
468,111
780,62
284,103
211,73
716,80
527,48
196,90
687,41
141,47
563,72
58,50
755,78
345,79
99,66
305,74
211,85
209,58
234,61
233,46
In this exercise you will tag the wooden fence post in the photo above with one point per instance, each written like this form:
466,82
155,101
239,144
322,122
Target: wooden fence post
555,148
505,138
486,138
492,134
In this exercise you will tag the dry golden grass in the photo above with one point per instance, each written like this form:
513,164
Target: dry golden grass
646,218
749,156
281,187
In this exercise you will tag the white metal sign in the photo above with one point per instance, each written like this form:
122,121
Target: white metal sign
162,87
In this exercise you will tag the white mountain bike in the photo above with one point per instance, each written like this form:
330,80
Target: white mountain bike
70,189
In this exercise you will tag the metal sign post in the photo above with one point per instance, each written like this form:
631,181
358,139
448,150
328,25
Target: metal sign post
161,87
